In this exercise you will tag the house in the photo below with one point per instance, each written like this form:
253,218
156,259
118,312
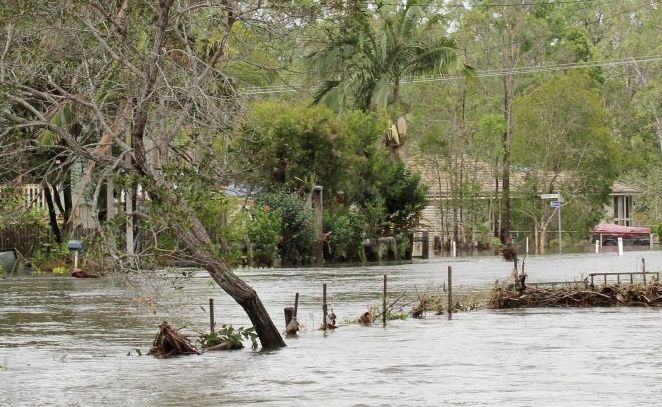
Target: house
620,210
463,203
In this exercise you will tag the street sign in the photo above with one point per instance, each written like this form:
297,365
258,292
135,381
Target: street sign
550,196
555,204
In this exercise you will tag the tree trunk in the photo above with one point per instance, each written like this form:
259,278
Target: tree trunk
128,200
505,183
51,214
66,190
658,130
197,240
495,217
543,240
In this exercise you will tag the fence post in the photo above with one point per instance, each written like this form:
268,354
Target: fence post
384,303
450,292
620,246
324,305
212,323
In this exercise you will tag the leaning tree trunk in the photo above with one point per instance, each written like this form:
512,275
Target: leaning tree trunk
197,240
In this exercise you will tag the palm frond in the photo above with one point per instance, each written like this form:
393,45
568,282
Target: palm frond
436,57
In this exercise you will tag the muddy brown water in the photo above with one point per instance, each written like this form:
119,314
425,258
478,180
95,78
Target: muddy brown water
64,342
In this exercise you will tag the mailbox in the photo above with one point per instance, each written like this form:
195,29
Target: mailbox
75,245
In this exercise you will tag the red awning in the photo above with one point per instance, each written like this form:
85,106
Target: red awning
617,230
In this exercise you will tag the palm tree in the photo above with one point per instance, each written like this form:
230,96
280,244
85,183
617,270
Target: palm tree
364,66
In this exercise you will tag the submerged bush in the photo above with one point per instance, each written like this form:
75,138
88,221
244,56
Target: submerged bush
228,336
346,228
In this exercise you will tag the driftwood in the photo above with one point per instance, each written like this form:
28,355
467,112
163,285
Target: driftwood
330,321
366,318
293,327
170,342
82,274
427,302
646,295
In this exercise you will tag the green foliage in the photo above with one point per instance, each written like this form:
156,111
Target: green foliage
562,144
403,194
14,211
361,67
347,232
231,336
296,245
284,147
264,231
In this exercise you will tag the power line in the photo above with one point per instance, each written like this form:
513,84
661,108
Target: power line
487,5
487,73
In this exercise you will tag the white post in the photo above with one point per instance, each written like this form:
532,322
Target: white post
620,246
527,245
76,260
597,246
453,248
560,243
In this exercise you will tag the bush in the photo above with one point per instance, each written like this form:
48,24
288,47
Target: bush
264,233
296,246
231,336
346,229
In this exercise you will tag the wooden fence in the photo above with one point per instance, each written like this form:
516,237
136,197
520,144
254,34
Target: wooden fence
24,239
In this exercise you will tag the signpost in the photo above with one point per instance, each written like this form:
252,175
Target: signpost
557,202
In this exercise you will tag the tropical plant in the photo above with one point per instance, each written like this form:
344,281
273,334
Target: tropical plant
365,63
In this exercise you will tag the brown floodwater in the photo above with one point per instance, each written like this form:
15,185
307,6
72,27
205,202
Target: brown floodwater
69,342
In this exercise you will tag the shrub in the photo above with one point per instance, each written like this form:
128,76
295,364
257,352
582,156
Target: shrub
297,240
346,227
264,233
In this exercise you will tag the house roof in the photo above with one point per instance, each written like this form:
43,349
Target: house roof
440,181
621,188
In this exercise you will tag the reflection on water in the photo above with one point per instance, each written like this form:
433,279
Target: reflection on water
65,342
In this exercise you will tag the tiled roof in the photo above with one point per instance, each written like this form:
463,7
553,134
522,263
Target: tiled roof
439,180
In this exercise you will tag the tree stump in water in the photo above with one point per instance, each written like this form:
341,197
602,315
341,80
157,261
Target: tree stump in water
169,342
366,318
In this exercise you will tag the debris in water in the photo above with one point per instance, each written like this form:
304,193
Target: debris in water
170,342
365,318
644,295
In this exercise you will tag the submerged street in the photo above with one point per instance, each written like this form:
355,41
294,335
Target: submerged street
65,341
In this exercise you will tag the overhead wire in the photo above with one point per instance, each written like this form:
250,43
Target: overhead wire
485,73
514,71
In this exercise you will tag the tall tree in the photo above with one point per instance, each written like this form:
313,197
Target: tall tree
365,63
183,106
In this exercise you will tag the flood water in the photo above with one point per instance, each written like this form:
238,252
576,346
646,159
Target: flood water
65,342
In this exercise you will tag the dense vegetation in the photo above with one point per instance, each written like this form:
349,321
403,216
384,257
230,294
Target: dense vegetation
241,109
